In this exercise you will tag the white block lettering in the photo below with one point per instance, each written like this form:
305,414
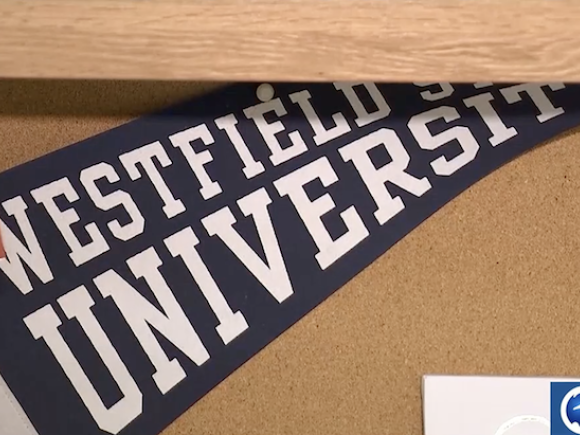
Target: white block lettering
269,131
44,324
393,172
428,141
445,91
144,155
364,117
141,316
499,132
321,134
272,274
17,253
197,161
538,96
228,125
183,244
80,254
311,212
118,198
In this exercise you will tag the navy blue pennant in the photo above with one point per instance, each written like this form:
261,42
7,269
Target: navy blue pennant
147,263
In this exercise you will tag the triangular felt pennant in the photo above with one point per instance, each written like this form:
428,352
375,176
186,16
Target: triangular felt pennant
147,263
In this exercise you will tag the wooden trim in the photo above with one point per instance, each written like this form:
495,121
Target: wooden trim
291,40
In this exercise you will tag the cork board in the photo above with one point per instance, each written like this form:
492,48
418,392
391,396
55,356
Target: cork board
502,305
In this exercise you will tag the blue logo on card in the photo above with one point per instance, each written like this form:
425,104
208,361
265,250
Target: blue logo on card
565,408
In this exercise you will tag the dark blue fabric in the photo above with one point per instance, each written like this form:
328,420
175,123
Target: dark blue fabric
29,367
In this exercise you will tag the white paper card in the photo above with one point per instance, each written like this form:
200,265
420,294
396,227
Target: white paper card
487,405
13,420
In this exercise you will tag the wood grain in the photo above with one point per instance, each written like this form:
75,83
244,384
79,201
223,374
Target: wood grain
291,40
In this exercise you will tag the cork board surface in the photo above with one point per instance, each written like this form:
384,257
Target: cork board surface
485,286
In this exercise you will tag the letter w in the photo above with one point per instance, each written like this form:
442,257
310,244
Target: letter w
17,252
